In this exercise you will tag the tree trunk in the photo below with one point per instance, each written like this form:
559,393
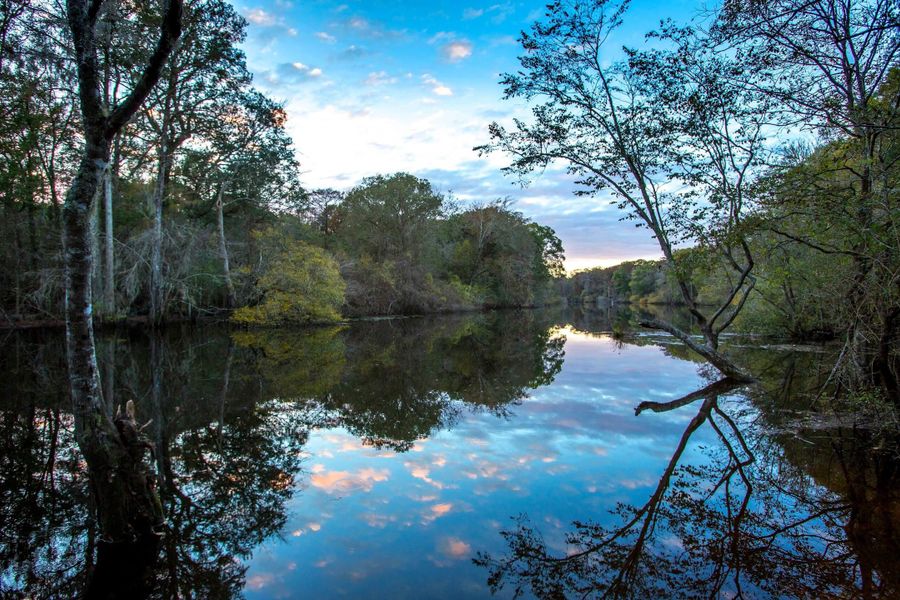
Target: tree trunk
157,360
109,376
223,397
109,264
124,492
126,502
223,248
159,192
707,351
96,266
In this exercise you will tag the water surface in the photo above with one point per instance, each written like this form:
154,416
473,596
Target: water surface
379,459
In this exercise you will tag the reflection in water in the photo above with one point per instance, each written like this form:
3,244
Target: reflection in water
748,523
229,417
394,382
379,458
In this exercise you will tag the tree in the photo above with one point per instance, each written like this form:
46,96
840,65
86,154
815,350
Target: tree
126,502
832,67
246,167
299,284
644,278
386,216
323,211
38,151
206,66
549,260
620,131
502,257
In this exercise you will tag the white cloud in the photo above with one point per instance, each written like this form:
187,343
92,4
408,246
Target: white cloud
472,13
358,23
258,16
291,73
499,12
326,37
377,78
457,50
437,87
380,139
262,18
441,35
372,29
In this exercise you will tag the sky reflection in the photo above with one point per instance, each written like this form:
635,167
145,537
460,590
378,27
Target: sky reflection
376,523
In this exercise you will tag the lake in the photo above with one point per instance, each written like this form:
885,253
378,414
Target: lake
455,457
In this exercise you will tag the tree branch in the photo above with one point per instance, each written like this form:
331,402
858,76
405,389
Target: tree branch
170,31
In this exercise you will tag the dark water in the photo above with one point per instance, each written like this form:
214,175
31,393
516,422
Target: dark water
378,460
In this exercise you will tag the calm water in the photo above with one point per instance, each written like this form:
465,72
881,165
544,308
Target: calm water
378,460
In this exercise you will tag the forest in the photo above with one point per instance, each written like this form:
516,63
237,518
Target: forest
202,209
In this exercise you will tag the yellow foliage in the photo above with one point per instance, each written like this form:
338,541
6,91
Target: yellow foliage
300,284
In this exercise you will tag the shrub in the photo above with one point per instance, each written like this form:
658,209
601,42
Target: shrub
299,284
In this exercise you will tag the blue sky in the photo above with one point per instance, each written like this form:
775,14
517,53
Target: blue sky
380,87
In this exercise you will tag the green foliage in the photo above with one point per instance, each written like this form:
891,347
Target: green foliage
644,278
485,256
548,261
388,216
621,281
508,258
299,284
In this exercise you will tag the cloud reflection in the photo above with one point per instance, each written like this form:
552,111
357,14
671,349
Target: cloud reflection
344,482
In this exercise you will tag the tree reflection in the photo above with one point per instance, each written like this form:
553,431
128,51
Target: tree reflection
225,491
229,417
227,459
44,520
392,382
733,527
402,386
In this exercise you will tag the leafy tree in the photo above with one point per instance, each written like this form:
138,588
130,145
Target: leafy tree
246,168
832,68
299,284
506,258
549,259
324,212
386,217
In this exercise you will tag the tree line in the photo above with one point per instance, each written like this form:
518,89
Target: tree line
199,207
